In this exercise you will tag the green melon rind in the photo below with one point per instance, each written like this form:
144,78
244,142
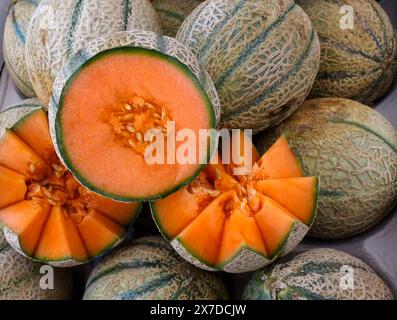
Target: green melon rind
316,274
359,64
159,225
321,133
150,269
59,29
172,13
20,278
252,95
17,22
149,43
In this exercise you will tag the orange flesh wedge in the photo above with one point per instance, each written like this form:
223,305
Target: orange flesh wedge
12,187
54,217
219,213
106,111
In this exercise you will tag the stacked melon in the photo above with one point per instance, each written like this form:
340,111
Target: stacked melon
118,94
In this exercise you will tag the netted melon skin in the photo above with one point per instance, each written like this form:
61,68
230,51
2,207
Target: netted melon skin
262,55
317,274
20,278
358,63
14,40
354,151
150,269
59,29
172,13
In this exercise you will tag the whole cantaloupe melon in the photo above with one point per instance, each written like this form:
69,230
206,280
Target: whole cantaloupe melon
173,12
59,29
149,269
354,151
14,39
20,278
262,55
358,63
318,274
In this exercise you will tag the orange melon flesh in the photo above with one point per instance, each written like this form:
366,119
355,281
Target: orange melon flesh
240,231
274,223
34,131
12,187
298,195
99,232
26,219
184,209
278,162
122,213
59,240
203,236
18,156
101,87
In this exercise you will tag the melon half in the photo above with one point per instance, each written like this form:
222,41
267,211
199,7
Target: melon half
48,216
240,223
111,100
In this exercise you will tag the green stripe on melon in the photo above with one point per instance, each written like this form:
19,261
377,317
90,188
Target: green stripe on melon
14,39
20,278
131,42
150,269
358,63
59,29
354,151
317,275
263,65
172,13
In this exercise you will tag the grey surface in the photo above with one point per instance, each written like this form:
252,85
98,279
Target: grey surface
377,247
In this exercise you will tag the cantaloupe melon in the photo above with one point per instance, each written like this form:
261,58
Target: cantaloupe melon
354,150
110,100
20,278
318,274
240,223
14,39
149,269
360,62
59,29
173,12
263,57
47,215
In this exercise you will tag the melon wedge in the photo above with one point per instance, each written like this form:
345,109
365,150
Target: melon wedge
114,97
240,223
50,216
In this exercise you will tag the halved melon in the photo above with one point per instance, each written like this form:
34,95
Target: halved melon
54,218
240,223
113,100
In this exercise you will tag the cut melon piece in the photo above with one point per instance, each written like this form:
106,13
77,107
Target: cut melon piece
18,156
12,187
123,92
277,163
240,232
60,240
98,232
26,219
40,142
239,223
298,195
41,200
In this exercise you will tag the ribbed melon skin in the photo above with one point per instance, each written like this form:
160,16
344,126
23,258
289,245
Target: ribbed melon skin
317,275
358,63
149,269
354,151
20,278
61,28
172,13
14,40
263,57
